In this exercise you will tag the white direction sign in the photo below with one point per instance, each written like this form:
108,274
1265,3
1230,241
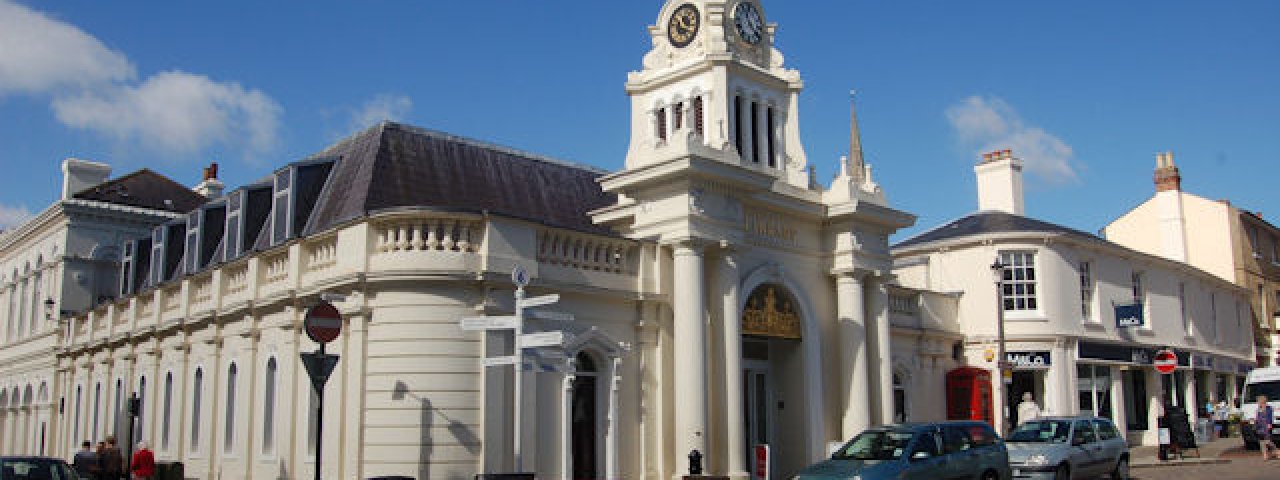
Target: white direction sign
554,316
497,361
490,323
543,339
538,301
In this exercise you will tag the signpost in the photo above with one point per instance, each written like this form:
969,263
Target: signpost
1165,361
523,341
322,324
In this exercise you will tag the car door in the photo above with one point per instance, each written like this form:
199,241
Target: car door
962,460
1110,445
1085,451
931,467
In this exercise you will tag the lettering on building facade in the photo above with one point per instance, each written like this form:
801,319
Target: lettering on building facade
769,228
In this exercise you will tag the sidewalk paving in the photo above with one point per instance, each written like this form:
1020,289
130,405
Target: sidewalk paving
1220,450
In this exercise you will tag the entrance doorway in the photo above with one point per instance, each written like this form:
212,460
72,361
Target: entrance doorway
1025,381
583,418
757,395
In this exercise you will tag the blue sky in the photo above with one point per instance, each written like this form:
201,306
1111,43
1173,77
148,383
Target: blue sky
1085,92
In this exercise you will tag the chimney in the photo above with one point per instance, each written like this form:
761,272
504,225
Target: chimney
1167,176
1000,183
78,175
210,186
1168,203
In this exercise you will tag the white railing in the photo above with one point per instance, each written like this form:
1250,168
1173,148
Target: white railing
322,254
429,234
583,251
235,279
275,268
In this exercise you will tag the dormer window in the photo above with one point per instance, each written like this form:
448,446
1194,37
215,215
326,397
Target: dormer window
295,192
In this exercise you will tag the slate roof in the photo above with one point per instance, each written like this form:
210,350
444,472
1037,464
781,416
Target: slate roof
989,222
392,166
146,189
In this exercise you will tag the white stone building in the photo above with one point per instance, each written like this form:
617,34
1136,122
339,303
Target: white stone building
61,262
721,298
1063,290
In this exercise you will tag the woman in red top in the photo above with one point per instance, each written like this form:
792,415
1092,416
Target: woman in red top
144,463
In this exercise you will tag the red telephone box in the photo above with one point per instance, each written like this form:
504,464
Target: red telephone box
969,394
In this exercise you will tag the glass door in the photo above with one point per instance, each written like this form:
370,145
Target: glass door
757,396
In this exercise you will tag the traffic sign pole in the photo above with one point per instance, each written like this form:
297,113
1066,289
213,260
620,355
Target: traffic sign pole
519,370
320,421
322,324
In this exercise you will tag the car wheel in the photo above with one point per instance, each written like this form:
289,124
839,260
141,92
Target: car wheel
1062,473
1122,470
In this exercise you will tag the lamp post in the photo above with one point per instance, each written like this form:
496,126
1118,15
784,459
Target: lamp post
997,274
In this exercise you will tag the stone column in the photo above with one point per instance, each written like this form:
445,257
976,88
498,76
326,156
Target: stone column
882,357
735,438
611,426
853,355
1118,414
1189,397
690,354
566,420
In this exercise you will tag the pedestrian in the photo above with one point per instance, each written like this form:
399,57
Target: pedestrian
144,463
112,461
1262,424
1028,410
86,461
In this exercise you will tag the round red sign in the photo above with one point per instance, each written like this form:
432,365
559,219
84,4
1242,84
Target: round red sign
323,323
1165,361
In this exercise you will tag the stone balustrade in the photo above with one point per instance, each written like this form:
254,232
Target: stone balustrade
583,251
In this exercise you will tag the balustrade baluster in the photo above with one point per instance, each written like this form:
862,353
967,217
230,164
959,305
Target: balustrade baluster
464,236
433,238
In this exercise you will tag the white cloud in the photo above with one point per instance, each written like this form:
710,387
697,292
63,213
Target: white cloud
992,124
94,88
13,216
381,107
39,54
176,111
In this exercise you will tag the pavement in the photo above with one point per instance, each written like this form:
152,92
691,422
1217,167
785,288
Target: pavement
1221,450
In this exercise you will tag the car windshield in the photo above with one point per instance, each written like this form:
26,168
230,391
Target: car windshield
33,468
1270,389
875,445
1042,431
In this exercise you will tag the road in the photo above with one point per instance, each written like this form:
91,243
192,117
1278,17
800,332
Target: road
1238,469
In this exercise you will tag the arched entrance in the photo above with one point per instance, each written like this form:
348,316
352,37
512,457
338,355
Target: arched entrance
584,420
774,397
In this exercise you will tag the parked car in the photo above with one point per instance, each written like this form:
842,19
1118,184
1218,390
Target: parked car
33,468
1068,447
926,451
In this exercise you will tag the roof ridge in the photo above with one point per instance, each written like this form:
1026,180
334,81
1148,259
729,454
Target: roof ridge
491,146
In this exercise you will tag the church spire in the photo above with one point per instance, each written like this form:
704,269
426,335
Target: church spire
856,165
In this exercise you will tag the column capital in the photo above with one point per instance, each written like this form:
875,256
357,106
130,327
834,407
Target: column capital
688,245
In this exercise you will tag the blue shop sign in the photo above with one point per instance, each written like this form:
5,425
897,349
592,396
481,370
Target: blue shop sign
1129,315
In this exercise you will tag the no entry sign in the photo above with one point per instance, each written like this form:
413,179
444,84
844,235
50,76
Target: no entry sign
323,323
1165,361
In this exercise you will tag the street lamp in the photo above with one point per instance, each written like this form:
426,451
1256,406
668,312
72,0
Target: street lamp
997,274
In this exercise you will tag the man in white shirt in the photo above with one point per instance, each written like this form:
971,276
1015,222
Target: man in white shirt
1028,410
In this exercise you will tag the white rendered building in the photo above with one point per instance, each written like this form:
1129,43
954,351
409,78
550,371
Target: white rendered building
721,299
61,262
1083,315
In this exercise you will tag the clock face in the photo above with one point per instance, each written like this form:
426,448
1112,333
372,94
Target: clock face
748,22
683,26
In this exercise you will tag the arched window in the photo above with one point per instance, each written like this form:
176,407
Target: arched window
142,392
118,411
697,115
97,408
660,124
899,399
583,420
269,408
75,426
755,132
770,135
166,418
36,303
228,436
737,124
197,387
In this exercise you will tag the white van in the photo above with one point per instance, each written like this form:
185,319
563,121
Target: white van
1260,381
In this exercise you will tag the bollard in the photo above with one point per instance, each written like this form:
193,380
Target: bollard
695,462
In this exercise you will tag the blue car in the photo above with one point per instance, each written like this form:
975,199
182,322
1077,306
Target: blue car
926,451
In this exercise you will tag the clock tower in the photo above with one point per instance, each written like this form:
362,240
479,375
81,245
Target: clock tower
714,85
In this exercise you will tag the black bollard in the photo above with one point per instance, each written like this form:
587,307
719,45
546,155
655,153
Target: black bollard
695,462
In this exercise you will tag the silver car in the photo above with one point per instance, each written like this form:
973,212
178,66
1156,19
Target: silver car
1068,447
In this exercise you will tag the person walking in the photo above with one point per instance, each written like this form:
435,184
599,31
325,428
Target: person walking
112,461
1262,425
1028,410
86,461
143,463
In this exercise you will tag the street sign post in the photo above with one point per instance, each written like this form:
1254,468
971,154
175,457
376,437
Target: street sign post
322,324
503,322
1165,361
540,339
537,301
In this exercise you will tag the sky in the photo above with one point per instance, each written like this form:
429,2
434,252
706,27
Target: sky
1085,92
